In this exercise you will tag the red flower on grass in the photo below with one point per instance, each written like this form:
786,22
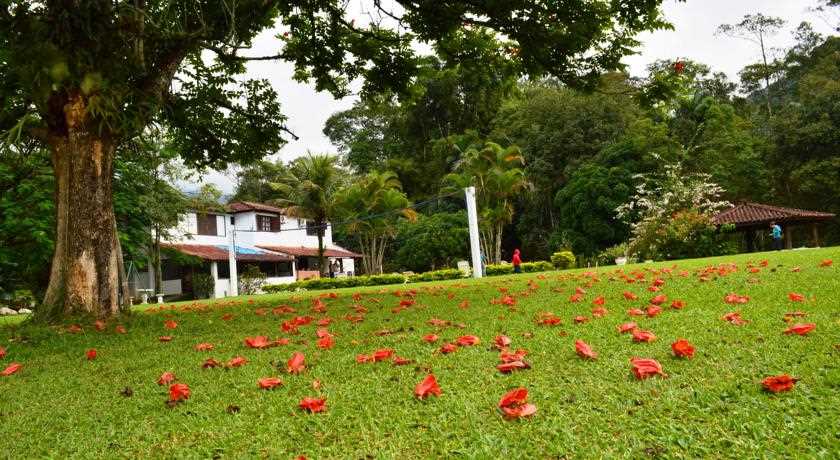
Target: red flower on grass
734,318
237,361
779,383
2,352
258,342
429,386
448,348
600,300
210,363
678,304
642,336
382,354
467,340
584,350
99,325
682,348
179,392
204,346
400,361
636,312
659,300
91,354
826,263
166,378
313,405
734,299
267,383
169,324
502,341
430,338
644,368
627,327
510,366
599,312
295,364
514,404
629,295
11,369
549,319
796,297
800,329
326,342
120,329
165,338
653,310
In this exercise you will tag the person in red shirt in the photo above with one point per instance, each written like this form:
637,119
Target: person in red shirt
516,261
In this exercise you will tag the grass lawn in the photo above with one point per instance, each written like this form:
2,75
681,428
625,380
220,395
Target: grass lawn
712,405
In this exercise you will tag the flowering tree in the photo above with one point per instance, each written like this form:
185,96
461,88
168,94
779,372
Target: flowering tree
670,215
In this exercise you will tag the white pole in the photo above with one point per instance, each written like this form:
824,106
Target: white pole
472,220
234,277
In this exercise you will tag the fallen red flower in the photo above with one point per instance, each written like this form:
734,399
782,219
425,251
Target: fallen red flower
382,354
204,346
448,348
11,369
169,324
468,340
635,312
400,361
584,350
325,342
629,295
581,319
502,341
659,300
429,386
734,318
508,367
549,319
794,297
179,392
642,336
210,363
99,325
682,348
509,357
295,364
779,383
644,368
120,329
258,342
801,328
627,327
267,383
2,352
430,338
238,361
91,354
438,322
74,329
514,404
600,300
599,312
733,298
166,378
361,359
826,263
165,338
678,304
313,404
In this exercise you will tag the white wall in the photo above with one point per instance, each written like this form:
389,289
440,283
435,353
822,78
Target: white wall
187,231
292,232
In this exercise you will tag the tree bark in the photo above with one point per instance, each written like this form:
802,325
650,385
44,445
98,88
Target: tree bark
321,259
84,278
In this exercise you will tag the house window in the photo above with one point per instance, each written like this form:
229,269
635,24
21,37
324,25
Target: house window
268,223
207,224
276,269
311,228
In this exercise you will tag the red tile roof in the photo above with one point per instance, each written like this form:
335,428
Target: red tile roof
245,206
211,252
747,214
301,251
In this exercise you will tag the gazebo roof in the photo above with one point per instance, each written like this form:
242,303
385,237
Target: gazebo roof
747,214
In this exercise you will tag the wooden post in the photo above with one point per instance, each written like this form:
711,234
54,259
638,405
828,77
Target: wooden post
816,234
788,237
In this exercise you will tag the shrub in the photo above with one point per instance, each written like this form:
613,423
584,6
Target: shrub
337,283
563,260
538,266
203,285
500,269
608,256
438,275
251,281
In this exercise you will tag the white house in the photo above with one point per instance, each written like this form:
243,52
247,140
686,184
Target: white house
285,248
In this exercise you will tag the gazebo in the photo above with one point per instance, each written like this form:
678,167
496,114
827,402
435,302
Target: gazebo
754,218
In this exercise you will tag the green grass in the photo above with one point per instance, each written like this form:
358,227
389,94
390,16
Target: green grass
713,405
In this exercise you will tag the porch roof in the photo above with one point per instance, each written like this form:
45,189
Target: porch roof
220,253
748,214
303,251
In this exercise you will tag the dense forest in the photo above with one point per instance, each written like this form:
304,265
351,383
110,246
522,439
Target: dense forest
554,165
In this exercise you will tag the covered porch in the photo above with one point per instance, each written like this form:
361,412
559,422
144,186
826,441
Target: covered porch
306,259
799,226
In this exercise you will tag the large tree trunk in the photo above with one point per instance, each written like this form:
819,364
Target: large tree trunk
322,266
84,278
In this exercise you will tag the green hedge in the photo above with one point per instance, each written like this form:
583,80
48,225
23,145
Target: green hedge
527,267
396,278
563,259
337,283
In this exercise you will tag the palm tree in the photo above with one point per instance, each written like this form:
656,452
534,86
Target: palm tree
310,187
372,205
498,177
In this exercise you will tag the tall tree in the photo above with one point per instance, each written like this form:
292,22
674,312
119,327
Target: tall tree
311,187
82,77
757,28
372,206
498,177
253,181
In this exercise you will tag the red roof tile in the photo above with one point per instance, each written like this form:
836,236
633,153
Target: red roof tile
299,251
746,214
211,252
245,206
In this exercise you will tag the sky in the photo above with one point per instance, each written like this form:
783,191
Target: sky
693,37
